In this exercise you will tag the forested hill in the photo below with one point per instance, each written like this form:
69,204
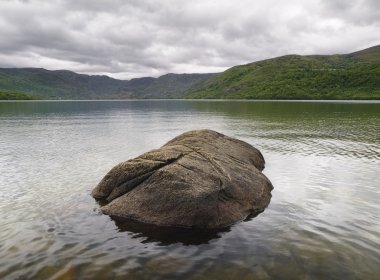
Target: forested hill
349,76
62,84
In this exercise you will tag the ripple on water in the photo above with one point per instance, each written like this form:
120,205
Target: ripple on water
322,221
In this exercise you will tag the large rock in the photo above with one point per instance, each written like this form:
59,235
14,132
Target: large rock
200,179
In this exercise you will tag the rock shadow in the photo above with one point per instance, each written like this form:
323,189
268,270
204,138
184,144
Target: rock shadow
165,236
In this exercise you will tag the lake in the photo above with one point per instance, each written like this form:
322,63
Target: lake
323,221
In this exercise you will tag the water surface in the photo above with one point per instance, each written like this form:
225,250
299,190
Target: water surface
322,158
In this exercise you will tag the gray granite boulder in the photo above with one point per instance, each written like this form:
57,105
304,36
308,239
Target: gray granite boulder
199,179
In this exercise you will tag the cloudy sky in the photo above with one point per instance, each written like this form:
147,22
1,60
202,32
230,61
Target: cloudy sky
134,38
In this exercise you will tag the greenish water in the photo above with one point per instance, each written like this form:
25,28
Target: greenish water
323,221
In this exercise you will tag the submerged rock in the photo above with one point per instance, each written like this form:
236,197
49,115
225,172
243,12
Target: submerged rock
200,179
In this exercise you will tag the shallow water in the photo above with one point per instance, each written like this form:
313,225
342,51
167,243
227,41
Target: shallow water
322,158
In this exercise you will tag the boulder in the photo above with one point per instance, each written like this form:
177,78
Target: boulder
199,179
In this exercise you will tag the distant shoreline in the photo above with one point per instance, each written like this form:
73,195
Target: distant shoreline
205,100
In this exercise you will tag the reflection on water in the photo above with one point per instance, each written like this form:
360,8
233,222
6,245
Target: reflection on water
166,235
322,222
171,235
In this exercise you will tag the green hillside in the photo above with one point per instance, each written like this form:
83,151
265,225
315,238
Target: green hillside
62,84
16,96
350,76
56,84
166,86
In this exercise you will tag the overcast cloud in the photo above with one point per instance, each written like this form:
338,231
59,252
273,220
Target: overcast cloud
135,38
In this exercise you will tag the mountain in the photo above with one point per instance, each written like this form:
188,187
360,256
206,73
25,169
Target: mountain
166,86
348,76
63,84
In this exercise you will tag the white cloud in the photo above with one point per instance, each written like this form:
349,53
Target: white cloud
127,39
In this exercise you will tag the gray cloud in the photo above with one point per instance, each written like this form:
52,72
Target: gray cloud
135,38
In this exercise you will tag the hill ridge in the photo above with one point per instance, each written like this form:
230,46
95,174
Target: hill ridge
66,84
354,75
339,76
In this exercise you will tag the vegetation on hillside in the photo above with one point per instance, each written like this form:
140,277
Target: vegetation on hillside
62,84
351,76
166,86
16,96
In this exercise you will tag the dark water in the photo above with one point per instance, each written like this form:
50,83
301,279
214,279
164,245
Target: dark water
323,221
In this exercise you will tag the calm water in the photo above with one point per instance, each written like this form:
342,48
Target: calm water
322,158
